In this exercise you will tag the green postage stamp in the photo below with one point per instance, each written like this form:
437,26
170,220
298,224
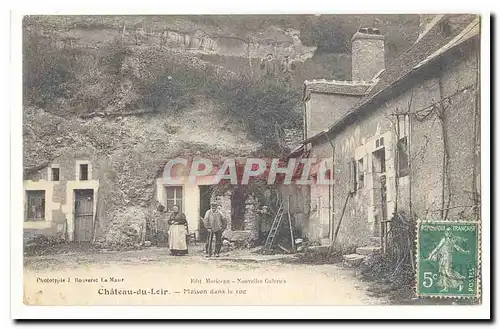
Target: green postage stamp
448,259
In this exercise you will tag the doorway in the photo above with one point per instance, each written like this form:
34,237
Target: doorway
84,215
205,195
238,209
379,188
378,164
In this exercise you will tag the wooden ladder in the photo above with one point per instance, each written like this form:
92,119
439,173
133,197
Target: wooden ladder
271,238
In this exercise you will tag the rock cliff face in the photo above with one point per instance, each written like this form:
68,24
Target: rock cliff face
250,41
181,33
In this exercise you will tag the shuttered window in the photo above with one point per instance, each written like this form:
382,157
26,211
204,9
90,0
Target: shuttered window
173,196
403,161
353,175
360,183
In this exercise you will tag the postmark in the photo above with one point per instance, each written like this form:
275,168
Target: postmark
448,263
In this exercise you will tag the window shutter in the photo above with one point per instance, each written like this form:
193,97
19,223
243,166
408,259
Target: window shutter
26,209
352,170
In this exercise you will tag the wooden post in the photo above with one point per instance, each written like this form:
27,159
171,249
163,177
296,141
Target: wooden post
383,236
340,219
94,225
290,224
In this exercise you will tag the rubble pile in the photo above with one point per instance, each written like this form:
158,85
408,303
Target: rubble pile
395,269
34,243
125,229
228,246
318,256
239,239
35,239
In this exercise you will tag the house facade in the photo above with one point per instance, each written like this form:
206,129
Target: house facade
194,197
60,200
400,138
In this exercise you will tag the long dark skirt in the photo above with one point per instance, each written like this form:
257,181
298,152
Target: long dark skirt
178,252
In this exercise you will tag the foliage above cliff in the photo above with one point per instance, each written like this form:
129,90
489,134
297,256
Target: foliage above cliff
97,66
118,78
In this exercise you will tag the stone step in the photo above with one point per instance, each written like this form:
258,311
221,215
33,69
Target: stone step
367,250
353,259
326,242
320,248
376,240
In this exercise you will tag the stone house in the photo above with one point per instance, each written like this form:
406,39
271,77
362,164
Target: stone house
401,137
60,200
194,199
71,199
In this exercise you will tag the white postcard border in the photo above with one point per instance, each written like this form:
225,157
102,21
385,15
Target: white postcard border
21,311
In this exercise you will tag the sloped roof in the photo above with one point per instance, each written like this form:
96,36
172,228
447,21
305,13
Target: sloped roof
470,31
433,44
355,88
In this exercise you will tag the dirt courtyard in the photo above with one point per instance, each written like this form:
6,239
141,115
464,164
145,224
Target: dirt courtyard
154,277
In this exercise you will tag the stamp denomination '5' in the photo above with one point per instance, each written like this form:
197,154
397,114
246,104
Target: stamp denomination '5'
448,259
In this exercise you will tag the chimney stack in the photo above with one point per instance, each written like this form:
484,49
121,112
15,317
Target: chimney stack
368,55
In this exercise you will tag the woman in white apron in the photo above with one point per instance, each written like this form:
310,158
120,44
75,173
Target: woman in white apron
177,232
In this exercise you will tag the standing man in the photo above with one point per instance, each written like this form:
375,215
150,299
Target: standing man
215,223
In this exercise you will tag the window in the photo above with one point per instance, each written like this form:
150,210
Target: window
353,175
173,196
379,142
403,126
357,174
35,206
403,161
361,174
378,165
84,171
54,174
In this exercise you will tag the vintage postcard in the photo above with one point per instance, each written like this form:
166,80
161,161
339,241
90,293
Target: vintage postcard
251,160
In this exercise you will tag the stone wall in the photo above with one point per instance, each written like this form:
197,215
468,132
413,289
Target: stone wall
300,205
59,195
252,218
324,109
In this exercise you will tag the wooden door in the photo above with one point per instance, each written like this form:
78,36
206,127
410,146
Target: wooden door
84,215
324,206
205,194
